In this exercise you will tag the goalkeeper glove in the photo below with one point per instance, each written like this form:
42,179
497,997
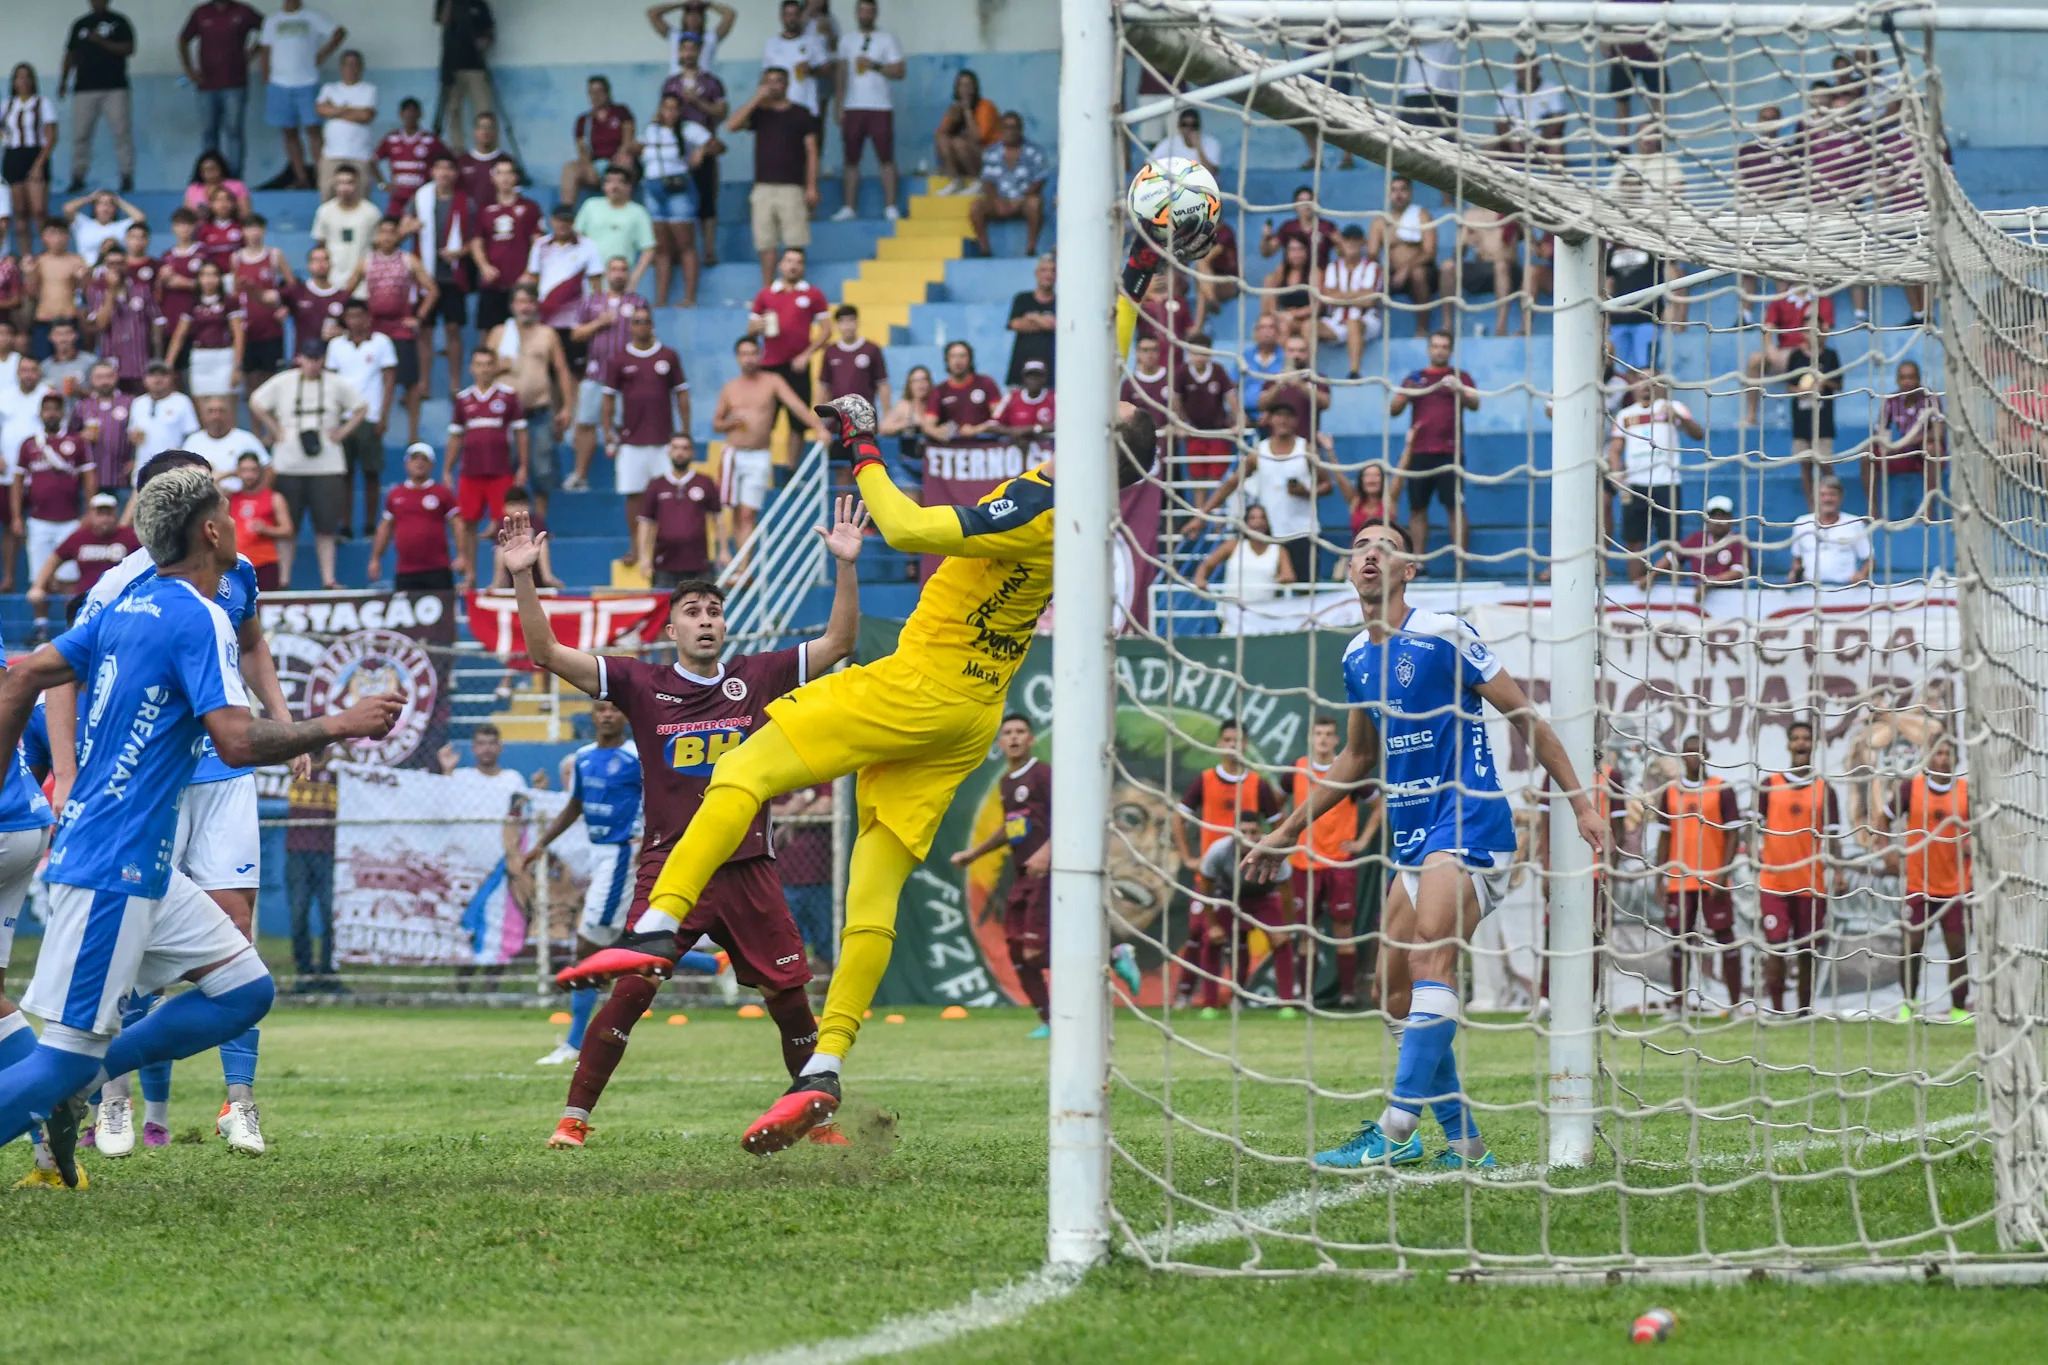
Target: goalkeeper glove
1139,267
851,420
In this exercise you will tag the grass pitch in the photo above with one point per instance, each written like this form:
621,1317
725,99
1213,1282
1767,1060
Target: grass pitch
408,1211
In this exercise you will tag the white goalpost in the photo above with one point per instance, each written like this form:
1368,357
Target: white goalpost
1738,212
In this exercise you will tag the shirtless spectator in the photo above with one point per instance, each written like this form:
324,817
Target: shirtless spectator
531,359
745,417
55,279
1483,258
1404,240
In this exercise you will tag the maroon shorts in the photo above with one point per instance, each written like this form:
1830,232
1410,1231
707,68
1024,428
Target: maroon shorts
1797,918
1269,909
745,912
1027,915
1710,905
1923,910
1335,888
858,127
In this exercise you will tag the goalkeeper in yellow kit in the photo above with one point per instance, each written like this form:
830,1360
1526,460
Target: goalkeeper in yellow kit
913,725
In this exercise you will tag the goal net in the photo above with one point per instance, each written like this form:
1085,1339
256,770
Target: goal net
1764,542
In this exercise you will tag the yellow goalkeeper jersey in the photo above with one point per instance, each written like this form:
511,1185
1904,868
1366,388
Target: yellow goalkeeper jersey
974,620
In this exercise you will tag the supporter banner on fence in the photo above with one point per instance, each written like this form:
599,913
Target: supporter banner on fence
332,648
590,623
421,873
962,475
1878,678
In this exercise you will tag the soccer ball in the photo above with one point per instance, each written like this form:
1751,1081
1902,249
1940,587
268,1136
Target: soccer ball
1176,205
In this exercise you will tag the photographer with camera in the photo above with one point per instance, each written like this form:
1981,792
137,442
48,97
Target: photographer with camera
306,413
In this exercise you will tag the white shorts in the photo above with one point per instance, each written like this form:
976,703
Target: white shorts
219,839
746,477
611,891
102,944
20,851
1337,319
1488,869
634,467
43,539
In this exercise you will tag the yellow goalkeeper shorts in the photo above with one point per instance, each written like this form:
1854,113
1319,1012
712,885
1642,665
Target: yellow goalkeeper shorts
912,740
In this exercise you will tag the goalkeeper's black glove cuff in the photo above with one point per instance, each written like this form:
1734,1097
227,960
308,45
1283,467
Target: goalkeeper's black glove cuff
860,452
1139,268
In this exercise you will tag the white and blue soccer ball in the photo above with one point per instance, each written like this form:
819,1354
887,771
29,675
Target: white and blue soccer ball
1176,205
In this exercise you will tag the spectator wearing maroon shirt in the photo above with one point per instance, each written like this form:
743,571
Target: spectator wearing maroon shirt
100,418
704,104
1205,401
99,543
1313,231
220,232
646,403
852,363
121,312
1432,460
964,405
789,316
416,517
316,304
601,131
1715,556
785,167
221,32
178,269
604,323
487,444
407,153
507,227
678,525
1027,411
1785,323
1149,388
475,169
53,477
1905,449
444,217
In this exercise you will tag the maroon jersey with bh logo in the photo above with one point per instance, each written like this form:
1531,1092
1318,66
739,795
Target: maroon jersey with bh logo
968,401
682,723
854,369
1027,810
486,418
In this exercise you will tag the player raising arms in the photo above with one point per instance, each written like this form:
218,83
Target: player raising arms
1417,681
162,661
1699,824
913,725
684,717
1796,826
1931,817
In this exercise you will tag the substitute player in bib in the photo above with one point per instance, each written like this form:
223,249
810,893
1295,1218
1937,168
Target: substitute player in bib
1210,808
687,719
1699,826
1326,872
913,725
1419,682
163,663
1796,829
219,841
1930,819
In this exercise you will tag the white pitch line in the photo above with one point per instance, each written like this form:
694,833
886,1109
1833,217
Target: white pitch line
985,1309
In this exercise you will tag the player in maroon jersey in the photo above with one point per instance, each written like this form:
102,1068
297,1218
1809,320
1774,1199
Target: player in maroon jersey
506,229
684,715
409,150
487,428
1026,790
1027,411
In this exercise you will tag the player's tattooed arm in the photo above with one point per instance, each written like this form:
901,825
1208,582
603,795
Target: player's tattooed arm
246,741
259,670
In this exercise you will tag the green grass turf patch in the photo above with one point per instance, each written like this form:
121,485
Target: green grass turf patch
408,1210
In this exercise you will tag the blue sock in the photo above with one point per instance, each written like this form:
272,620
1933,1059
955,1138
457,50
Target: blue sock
193,1022
17,1039
1425,1048
582,1004
699,962
1452,1112
238,1059
38,1083
156,1077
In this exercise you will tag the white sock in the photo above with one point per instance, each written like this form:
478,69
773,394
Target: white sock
572,1112
157,1112
822,1064
1399,1124
656,921
44,1161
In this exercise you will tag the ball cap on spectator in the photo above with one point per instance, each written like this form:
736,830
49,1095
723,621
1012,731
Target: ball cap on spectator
1031,365
1720,505
105,500
419,448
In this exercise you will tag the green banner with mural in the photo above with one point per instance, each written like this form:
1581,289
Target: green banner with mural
949,935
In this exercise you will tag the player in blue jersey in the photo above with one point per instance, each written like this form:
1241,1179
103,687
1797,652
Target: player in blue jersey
25,820
163,665
1419,682
219,837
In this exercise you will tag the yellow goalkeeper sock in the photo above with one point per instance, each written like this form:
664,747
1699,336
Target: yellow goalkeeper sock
874,884
764,767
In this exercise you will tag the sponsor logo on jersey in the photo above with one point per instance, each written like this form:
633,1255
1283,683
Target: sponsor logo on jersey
694,752
1411,741
1001,507
141,606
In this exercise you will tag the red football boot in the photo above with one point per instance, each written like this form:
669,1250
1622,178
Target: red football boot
808,1104
570,1132
653,951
